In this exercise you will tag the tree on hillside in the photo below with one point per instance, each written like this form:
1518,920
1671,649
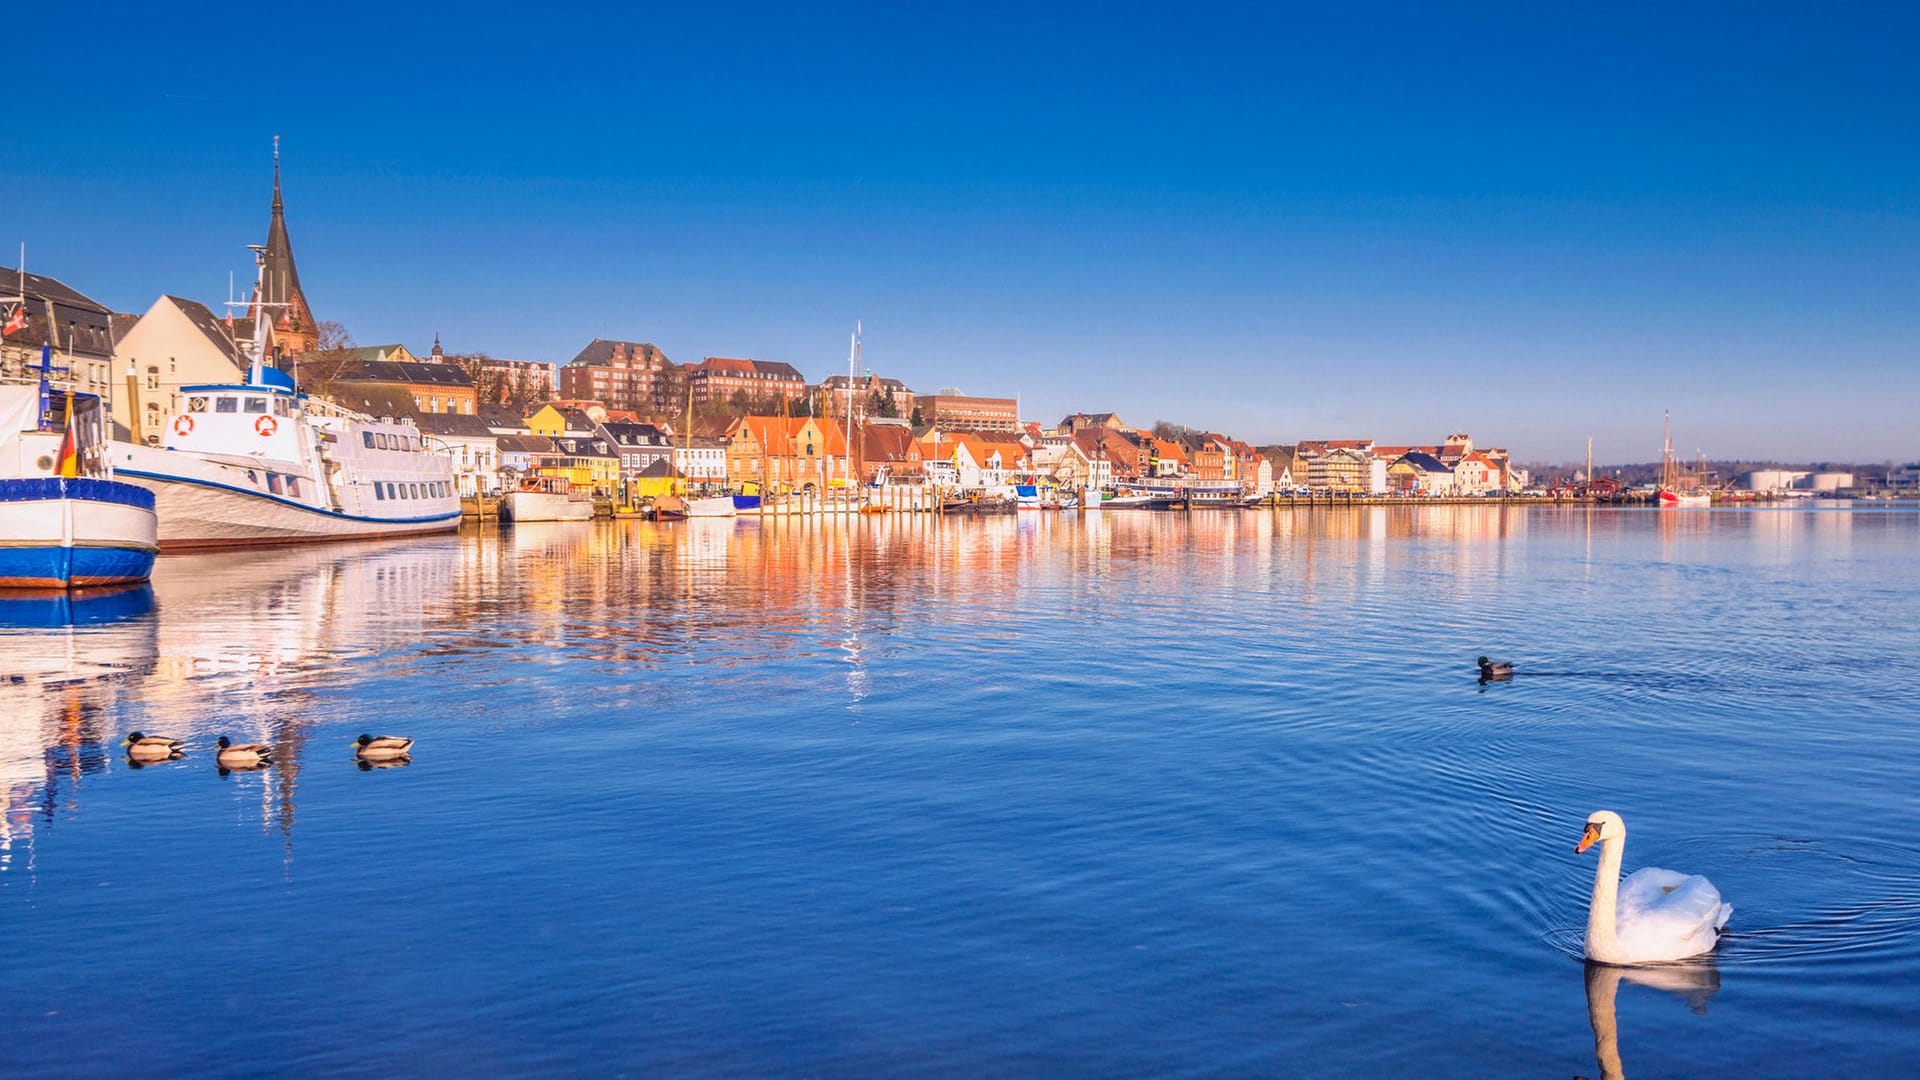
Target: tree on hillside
1172,432
918,419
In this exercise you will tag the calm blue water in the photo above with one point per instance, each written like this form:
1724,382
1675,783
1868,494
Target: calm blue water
1128,794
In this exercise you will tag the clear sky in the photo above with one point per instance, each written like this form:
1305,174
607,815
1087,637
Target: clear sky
1534,222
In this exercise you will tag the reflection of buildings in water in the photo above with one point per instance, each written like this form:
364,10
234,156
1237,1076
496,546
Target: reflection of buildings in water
1693,983
71,662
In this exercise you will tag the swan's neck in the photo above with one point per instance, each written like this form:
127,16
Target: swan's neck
1602,944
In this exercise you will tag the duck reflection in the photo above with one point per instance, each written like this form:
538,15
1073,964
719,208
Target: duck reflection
1693,982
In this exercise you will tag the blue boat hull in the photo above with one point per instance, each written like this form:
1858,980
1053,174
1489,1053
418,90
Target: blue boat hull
58,533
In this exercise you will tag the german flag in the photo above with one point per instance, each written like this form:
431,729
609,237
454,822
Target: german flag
69,453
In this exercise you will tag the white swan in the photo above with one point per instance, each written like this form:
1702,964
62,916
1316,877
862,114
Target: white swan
1654,915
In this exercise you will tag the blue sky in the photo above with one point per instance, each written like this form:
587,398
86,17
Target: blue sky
1536,223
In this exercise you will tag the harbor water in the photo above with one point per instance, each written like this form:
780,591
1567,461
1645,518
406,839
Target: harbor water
1102,794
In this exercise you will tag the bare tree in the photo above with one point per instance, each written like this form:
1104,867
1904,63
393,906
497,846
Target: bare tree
334,353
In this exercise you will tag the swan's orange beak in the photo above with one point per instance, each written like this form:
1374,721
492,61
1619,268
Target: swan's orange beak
1587,838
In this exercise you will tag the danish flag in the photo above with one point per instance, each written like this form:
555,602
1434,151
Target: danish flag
15,321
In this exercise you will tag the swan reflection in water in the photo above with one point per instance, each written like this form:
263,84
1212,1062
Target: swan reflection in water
1693,982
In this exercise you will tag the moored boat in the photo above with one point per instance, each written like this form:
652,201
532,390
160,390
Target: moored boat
64,521
545,498
259,462
713,507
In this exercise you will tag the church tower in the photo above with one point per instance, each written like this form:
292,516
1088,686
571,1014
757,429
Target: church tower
293,329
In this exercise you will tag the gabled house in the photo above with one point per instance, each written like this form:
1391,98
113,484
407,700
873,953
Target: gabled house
889,453
786,453
1419,473
176,343
589,463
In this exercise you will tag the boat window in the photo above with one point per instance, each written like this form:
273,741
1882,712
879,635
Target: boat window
293,486
380,492
383,441
416,491
196,404
273,482
256,405
367,437
225,404
282,407
391,493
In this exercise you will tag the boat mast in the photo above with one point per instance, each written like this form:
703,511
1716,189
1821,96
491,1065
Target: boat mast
853,364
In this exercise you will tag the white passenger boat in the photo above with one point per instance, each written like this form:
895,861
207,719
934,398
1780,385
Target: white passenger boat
65,522
257,462
545,498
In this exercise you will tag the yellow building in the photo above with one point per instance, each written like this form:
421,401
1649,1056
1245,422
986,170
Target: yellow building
588,464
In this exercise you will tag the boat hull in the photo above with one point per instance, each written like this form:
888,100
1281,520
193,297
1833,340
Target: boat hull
196,514
715,507
544,506
60,533
1675,500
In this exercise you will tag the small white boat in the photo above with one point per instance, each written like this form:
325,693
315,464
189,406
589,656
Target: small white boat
64,521
545,498
718,506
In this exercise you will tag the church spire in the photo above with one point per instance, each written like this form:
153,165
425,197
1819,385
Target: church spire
287,311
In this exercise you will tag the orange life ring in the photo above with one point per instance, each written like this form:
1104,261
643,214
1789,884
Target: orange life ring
266,425
183,425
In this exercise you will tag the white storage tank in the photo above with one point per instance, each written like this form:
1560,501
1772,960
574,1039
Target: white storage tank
1771,479
1829,481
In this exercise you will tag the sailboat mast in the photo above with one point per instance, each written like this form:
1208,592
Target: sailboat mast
853,365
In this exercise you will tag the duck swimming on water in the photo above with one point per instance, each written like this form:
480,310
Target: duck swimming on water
1491,670
232,755
152,747
381,747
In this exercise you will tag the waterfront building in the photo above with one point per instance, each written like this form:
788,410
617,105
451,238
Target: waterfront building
639,446
630,375
469,443
434,388
1165,459
589,463
786,453
1904,477
176,343
557,418
37,311
1417,472
702,460
521,454
1124,458
958,412
1476,474
1341,469
888,453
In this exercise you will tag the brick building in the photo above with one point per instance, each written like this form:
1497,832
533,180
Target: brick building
957,412
629,375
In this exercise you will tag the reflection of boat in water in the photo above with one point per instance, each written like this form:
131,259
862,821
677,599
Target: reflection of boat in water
978,507
1694,982
52,608
66,521
545,498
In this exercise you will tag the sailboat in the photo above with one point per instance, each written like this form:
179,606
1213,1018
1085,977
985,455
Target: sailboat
707,507
1680,487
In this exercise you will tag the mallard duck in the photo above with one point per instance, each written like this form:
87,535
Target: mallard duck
232,755
151,747
381,748
1491,670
